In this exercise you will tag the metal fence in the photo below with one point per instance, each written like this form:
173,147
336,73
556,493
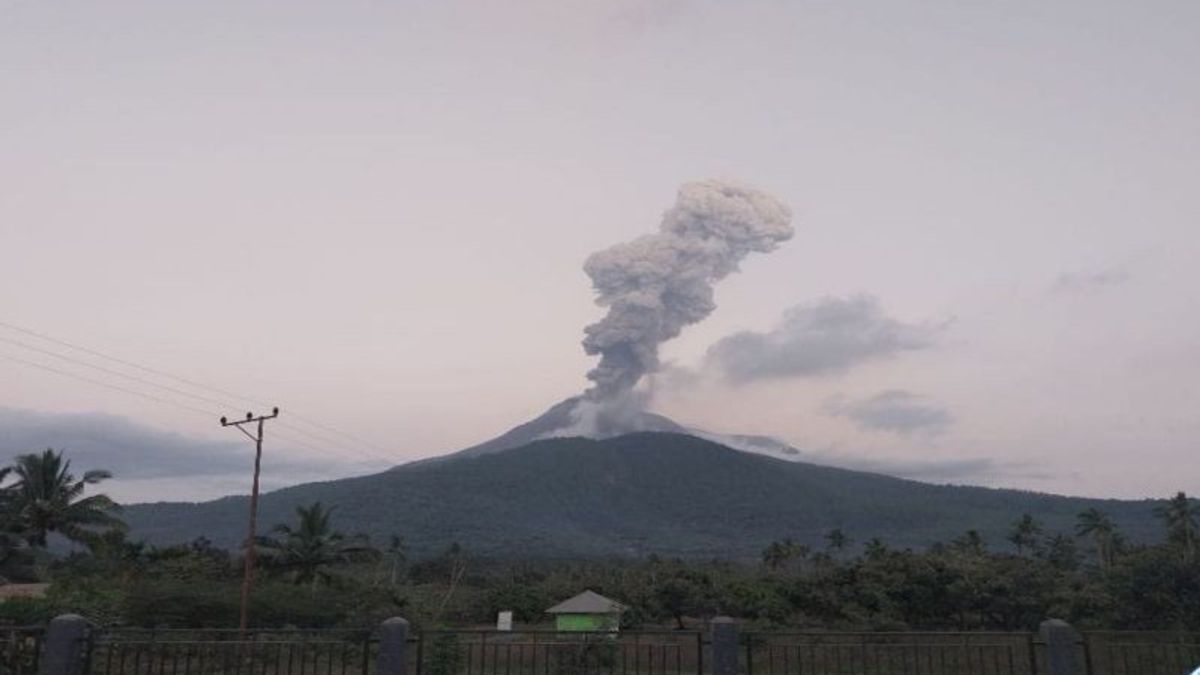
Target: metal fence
297,652
890,654
1141,653
19,649
220,652
555,653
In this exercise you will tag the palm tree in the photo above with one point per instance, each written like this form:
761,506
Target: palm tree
774,555
46,497
1179,515
1095,523
395,554
309,550
837,539
1025,534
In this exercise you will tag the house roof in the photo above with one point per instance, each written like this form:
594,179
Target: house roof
587,602
22,591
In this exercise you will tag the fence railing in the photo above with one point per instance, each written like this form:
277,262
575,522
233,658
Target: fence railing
69,646
19,649
532,652
215,652
890,653
1141,653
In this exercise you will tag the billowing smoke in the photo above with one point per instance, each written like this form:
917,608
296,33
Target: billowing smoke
655,285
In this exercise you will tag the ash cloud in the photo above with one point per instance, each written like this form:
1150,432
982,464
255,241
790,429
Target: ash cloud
897,411
657,284
830,336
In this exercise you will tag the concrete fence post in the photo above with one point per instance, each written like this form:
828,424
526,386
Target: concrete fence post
65,646
393,647
1062,648
724,646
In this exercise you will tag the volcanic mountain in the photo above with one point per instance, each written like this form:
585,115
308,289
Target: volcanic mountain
531,492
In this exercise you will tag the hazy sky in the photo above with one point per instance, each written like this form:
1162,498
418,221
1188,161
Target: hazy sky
375,214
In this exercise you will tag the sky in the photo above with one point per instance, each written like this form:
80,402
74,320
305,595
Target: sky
374,215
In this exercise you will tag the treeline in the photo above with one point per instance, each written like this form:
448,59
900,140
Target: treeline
311,575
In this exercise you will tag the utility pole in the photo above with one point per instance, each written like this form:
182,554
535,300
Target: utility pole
251,544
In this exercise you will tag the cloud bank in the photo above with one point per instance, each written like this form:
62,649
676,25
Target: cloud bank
134,451
826,337
897,411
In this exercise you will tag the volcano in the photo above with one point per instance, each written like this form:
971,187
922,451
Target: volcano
532,492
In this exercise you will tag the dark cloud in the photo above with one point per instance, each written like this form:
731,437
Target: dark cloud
829,336
895,410
131,450
1090,282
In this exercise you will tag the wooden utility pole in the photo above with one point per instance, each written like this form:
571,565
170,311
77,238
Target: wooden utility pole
252,536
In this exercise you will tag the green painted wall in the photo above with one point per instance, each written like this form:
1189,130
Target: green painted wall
586,622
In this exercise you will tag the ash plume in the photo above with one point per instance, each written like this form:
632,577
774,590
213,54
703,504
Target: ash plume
655,285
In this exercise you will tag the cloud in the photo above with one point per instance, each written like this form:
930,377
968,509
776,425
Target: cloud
931,470
134,451
830,336
895,410
980,470
1090,282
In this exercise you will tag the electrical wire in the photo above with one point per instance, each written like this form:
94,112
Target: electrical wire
192,383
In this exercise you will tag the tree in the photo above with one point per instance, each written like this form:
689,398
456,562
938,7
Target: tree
309,550
1179,515
1025,533
778,553
971,543
46,497
837,540
396,555
1096,524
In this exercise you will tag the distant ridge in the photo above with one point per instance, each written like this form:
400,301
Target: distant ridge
635,494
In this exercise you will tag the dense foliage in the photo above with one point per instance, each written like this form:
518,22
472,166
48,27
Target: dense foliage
313,575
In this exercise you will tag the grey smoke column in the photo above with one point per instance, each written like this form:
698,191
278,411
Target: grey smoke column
659,283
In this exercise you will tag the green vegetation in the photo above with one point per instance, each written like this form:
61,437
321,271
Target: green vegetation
1086,571
39,496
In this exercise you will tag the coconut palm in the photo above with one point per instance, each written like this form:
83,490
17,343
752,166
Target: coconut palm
837,539
397,555
1179,515
46,497
1025,533
309,550
1096,524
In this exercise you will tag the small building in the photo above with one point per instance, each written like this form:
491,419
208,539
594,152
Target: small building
588,611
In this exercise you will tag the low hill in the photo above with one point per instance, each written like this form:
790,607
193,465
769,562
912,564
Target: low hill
664,493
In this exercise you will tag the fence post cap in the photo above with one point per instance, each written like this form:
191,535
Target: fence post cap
69,618
1057,626
396,621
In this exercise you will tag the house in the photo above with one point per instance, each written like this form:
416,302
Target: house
587,611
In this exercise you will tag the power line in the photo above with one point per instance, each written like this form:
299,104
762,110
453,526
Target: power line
380,454
118,373
189,382
206,413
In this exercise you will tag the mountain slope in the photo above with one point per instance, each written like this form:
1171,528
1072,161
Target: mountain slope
634,494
